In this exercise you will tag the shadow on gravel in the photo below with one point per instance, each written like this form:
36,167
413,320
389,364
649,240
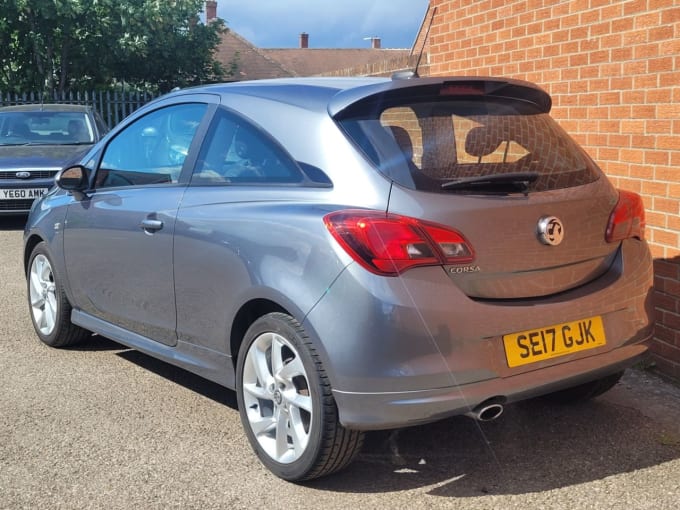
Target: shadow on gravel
97,343
180,376
534,446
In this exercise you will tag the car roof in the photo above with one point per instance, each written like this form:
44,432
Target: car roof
313,93
46,108
334,95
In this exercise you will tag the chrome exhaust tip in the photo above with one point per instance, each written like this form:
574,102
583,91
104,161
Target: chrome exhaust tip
485,412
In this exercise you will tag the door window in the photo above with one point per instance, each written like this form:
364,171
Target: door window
151,150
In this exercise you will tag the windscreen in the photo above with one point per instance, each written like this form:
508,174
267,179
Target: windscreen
45,127
475,145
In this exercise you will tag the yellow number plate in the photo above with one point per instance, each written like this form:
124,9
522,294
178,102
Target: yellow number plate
540,344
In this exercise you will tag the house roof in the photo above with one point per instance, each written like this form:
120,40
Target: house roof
251,62
312,61
254,63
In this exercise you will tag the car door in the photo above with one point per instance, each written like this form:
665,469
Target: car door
118,239
220,247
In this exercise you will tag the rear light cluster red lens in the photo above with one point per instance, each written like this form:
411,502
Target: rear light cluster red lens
627,219
389,244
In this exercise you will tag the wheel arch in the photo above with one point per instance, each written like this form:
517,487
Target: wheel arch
262,303
245,317
30,244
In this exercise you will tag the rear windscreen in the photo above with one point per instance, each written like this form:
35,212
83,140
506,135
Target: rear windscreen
453,145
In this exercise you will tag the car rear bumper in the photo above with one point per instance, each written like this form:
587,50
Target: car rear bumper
414,349
377,411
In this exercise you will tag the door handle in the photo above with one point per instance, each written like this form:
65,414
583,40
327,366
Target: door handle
151,225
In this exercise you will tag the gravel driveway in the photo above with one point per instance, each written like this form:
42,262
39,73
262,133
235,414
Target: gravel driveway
103,426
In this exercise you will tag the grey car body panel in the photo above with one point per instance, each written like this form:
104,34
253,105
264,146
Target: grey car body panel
380,411
397,350
455,342
135,287
510,260
422,315
248,244
140,267
309,93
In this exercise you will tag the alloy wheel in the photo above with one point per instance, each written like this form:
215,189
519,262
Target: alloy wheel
277,397
43,296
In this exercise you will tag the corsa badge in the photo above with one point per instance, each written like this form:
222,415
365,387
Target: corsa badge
550,230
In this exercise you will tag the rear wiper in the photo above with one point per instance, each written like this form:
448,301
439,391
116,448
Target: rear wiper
518,180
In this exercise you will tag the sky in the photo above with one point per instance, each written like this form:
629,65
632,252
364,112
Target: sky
329,23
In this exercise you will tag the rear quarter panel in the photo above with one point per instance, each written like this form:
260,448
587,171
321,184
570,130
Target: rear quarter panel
234,245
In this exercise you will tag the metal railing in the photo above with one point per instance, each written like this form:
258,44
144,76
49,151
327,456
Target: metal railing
112,105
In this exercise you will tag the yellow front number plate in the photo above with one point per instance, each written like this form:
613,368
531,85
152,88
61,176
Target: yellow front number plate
558,340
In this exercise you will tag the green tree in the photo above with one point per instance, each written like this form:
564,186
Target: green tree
76,44
163,40
16,66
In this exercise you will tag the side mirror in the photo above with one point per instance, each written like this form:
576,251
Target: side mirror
72,178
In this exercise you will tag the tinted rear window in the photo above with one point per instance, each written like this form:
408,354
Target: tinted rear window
423,145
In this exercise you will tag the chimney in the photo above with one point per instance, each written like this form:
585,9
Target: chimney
210,10
375,43
304,40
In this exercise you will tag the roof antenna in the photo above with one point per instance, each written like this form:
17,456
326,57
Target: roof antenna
407,75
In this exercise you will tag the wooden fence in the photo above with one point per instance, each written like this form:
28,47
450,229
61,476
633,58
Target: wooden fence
113,106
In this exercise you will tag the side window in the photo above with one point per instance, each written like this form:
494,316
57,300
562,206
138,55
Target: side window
237,152
151,150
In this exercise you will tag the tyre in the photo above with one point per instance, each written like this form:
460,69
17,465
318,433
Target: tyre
49,308
286,405
585,391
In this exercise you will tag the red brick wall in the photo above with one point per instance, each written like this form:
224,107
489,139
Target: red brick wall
613,70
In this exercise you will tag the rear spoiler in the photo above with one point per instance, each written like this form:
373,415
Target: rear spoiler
346,101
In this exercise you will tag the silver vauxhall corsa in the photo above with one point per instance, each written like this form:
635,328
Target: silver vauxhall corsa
348,255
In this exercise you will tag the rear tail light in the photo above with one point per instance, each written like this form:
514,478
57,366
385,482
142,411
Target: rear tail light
389,244
627,219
